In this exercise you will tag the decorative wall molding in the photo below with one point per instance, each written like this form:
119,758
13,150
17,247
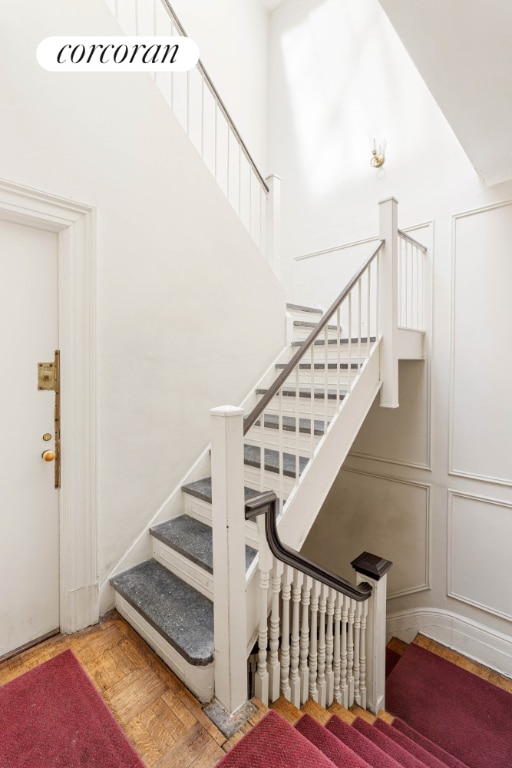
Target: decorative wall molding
74,224
451,590
425,584
452,469
477,641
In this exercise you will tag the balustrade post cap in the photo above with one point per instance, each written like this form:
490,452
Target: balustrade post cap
371,565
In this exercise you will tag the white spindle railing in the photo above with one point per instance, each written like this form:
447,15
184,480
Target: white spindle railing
283,432
411,283
313,642
203,115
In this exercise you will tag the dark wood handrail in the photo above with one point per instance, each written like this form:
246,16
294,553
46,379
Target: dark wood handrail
215,93
280,380
265,504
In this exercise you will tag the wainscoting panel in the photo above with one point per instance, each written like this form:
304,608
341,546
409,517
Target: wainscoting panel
481,409
387,517
479,536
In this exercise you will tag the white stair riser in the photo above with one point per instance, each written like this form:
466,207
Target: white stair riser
202,510
331,353
200,680
304,444
321,379
268,481
305,408
185,569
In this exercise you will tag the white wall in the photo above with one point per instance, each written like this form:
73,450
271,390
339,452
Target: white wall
179,282
429,484
232,36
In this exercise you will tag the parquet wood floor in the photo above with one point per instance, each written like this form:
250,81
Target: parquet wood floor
160,717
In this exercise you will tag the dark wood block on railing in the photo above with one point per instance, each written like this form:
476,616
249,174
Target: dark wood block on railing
371,565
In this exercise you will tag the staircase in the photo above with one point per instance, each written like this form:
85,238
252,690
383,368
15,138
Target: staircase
286,737
169,599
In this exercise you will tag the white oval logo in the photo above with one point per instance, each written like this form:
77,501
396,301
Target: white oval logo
117,54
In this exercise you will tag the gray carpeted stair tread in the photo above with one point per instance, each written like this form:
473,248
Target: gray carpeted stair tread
193,539
183,616
319,394
289,424
202,489
321,366
301,308
320,342
309,324
287,464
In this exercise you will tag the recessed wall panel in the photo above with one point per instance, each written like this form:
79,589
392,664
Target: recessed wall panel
481,406
480,532
389,518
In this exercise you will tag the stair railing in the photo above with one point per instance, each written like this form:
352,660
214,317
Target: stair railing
203,115
284,429
411,283
312,635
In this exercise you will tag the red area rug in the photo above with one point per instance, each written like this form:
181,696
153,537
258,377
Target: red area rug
467,716
53,716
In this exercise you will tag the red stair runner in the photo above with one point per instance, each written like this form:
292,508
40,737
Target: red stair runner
338,752
390,747
434,758
470,718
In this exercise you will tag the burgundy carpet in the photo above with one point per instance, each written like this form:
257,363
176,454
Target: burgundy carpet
390,747
429,757
350,736
341,755
53,717
274,743
464,714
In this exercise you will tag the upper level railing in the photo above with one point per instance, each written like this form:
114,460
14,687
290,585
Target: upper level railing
204,116
411,283
283,430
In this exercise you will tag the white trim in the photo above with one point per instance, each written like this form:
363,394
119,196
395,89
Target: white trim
449,554
75,225
474,640
452,471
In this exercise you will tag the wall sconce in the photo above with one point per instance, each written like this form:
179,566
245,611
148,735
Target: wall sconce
378,156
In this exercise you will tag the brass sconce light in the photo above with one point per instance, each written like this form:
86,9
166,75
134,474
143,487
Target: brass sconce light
378,156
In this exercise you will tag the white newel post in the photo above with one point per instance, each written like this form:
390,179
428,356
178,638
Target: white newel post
374,570
230,627
388,302
273,244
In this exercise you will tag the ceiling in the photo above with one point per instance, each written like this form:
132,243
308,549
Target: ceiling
463,51
271,4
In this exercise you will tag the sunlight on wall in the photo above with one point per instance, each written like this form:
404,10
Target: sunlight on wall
349,79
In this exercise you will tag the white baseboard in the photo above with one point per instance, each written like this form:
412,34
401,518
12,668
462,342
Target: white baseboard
474,640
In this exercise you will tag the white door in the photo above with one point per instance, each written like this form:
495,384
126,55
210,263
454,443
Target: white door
29,502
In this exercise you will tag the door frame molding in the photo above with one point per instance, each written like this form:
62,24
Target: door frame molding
74,224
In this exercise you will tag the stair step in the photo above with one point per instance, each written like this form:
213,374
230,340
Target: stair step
192,539
301,308
289,424
319,394
309,324
320,342
286,709
321,366
202,489
287,464
181,615
316,711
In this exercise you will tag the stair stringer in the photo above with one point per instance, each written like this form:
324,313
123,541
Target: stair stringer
307,498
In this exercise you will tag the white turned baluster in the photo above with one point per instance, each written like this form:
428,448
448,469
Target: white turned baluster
343,680
304,639
322,682
329,645
285,631
273,657
261,688
350,651
295,641
362,655
313,642
357,651
337,646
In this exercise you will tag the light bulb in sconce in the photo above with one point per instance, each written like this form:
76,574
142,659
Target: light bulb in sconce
378,157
